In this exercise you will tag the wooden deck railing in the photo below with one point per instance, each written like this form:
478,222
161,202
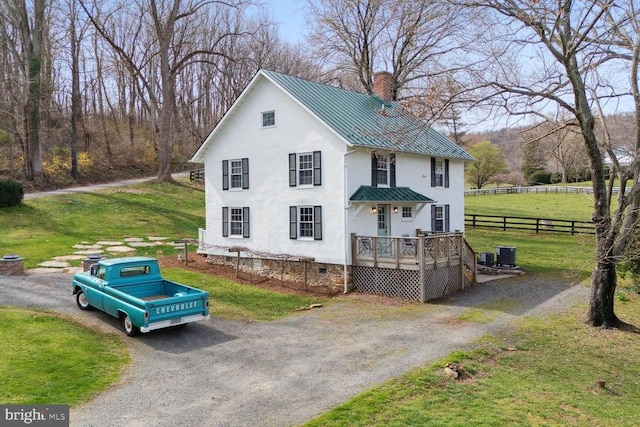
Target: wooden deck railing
437,265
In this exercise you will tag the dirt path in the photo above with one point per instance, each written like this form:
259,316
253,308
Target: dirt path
231,373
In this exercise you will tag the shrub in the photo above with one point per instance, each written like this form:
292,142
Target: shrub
539,178
11,192
58,166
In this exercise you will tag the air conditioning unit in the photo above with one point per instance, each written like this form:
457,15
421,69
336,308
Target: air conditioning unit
486,258
506,256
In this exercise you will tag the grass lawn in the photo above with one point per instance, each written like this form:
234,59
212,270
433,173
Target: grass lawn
47,359
577,207
543,374
235,301
40,229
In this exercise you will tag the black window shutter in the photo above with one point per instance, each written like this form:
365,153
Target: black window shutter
225,174
292,170
225,222
374,170
433,171
245,222
245,173
317,223
433,217
446,173
446,218
317,168
293,222
392,169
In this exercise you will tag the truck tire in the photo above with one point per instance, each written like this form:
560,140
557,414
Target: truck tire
81,300
129,328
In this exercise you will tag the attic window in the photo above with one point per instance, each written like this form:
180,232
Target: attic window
268,119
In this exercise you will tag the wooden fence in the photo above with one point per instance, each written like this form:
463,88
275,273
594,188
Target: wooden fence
546,189
417,268
196,175
529,224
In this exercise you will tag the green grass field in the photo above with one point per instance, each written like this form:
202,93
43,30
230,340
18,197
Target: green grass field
49,359
40,229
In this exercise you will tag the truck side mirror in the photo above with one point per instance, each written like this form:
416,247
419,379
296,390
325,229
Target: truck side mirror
93,269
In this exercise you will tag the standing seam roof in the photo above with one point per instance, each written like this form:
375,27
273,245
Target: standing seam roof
366,120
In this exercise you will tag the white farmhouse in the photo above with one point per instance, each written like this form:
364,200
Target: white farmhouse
295,167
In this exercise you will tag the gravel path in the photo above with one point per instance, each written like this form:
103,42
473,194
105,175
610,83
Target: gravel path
285,372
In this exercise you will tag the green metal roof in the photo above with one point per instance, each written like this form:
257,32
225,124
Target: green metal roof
366,120
367,193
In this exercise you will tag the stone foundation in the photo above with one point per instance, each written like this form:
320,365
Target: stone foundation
11,266
318,274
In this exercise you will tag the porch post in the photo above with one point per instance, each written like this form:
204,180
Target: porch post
354,244
462,252
420,255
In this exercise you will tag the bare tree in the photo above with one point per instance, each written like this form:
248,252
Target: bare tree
556,55
23,31
410,39
173,24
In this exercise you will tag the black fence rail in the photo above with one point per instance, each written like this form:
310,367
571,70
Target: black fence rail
196,175
537,225
552,189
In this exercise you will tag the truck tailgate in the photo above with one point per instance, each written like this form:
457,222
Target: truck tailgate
176,310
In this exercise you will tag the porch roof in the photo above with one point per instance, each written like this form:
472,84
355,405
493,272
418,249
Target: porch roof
367,193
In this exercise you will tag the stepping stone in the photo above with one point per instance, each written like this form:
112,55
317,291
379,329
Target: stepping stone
109,243
68,257
54,264
119,249
133,239
82,246
88,252
157,239
141,244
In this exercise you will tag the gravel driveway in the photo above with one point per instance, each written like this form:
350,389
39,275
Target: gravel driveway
285,372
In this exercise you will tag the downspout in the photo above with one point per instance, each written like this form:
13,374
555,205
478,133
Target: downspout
347,205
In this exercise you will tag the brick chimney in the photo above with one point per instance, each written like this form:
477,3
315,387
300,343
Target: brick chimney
383,85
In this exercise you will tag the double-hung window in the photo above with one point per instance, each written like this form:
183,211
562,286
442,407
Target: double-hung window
305,169
235,222
305,222
235,174
439,172
383,170
440,218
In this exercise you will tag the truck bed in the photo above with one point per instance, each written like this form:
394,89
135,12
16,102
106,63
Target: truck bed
156,290
155,297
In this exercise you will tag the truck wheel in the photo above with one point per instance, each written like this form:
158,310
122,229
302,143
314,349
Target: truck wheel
129,328
82,302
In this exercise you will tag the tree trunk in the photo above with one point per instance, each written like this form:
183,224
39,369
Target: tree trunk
603,287
76,100
32,44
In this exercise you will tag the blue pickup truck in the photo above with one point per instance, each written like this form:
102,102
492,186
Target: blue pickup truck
133,290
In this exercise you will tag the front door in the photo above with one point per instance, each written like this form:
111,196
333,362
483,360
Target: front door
383,220
384,245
